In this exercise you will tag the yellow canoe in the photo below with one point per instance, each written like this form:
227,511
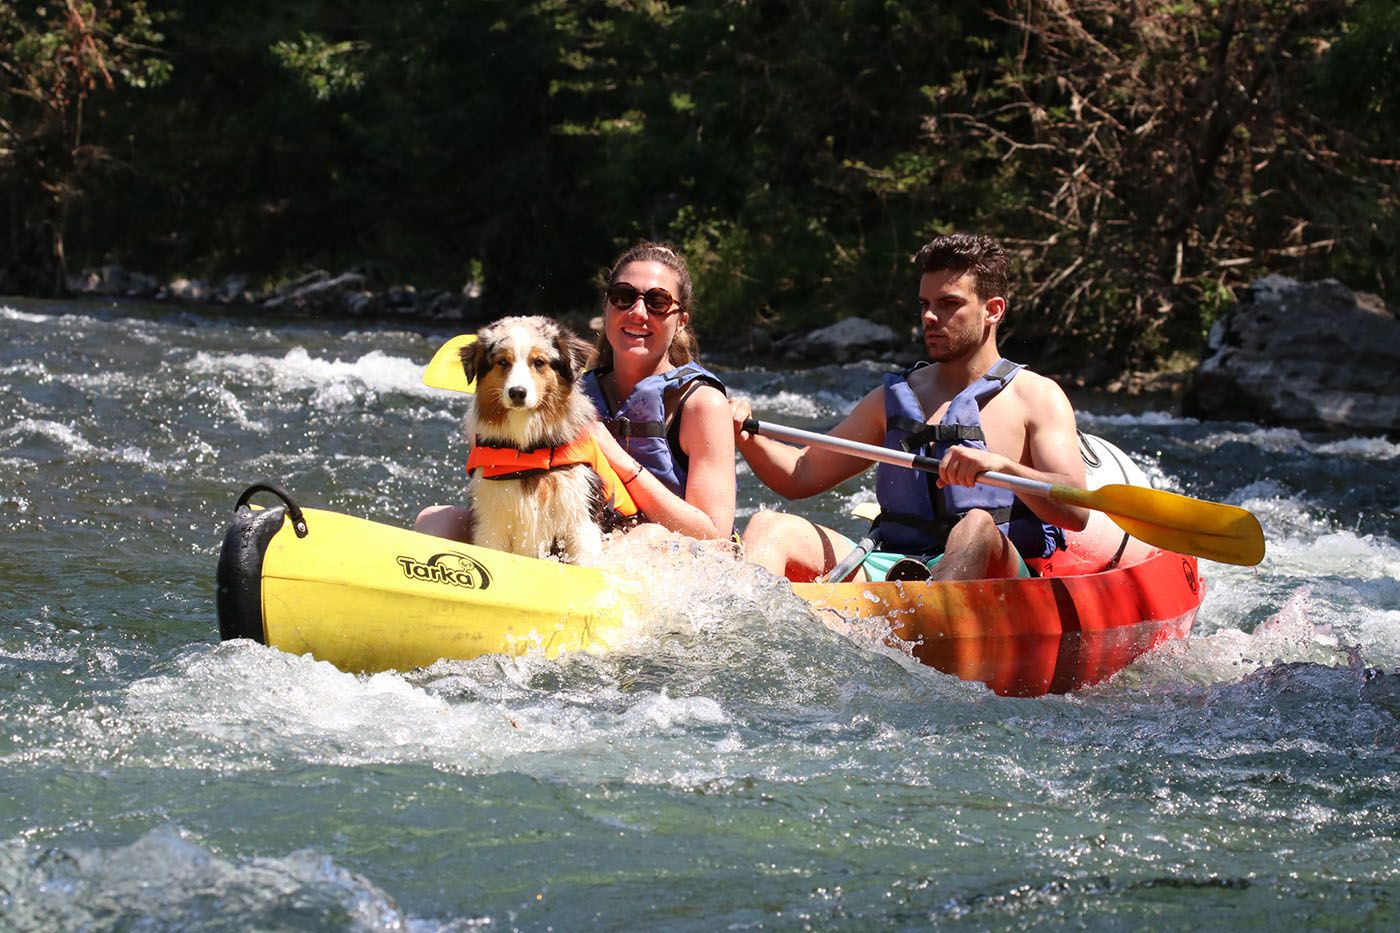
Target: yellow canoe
369,597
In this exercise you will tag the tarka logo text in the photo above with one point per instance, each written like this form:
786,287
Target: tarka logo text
452,569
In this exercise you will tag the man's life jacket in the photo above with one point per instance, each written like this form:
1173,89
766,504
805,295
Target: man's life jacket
641,424
498,463
915,514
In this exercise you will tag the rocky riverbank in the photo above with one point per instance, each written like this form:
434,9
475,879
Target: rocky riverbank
1310,355
352,293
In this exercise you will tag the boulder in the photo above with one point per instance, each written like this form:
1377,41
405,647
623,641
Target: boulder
849,339
347,293
232,290
112,279
1302,354
141,285
447,305
359,304
183,289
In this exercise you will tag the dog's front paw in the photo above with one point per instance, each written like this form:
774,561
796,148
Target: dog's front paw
585,547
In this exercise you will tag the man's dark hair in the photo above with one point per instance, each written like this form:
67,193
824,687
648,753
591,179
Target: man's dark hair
961,253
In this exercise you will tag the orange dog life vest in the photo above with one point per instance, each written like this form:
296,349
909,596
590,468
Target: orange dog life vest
509,463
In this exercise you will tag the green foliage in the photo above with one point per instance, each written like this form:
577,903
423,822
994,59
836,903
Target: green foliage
1358,78
1145,159
1141,160
59,65
325,68
1357,83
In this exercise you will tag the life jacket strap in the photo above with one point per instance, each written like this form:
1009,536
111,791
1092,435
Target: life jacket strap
623,427
921,434
938,532
521,474
1001,372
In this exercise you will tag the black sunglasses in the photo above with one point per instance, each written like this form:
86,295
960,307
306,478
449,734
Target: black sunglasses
623,296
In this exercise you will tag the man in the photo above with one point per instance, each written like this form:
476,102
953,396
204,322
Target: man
969,409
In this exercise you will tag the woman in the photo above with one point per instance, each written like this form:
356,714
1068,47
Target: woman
666,427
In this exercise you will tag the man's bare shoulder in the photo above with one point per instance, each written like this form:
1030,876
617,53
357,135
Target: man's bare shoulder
1034,384
1042,398
1038,397
865,422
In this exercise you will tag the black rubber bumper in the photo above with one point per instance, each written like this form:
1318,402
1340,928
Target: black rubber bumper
240,572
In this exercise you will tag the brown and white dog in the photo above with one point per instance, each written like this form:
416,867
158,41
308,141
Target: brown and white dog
538,485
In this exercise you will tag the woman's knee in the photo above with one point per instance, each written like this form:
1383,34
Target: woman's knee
442,521
427,515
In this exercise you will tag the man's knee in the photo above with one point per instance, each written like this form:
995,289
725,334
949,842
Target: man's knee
977,533
766,541
986,550
765,527
978,524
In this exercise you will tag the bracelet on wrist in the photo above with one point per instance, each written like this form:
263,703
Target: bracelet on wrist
635,473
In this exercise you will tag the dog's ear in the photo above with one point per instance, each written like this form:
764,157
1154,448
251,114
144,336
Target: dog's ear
575,354
474,359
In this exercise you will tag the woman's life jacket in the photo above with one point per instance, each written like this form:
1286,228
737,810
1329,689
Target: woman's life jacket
915,514
641,423
500,463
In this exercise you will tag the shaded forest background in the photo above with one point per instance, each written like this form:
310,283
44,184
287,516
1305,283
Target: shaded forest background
1141,158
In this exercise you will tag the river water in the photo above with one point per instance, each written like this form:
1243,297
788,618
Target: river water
734,765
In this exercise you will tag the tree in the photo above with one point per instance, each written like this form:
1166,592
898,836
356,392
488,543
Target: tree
1154,155
743,132
1142,158
55,61
1357,84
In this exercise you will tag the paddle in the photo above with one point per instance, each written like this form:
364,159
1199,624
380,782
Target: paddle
1223,533
445,369
848,564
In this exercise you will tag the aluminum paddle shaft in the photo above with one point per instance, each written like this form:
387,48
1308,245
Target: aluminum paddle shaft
1224,533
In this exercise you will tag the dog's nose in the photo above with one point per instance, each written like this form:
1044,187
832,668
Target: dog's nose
517,394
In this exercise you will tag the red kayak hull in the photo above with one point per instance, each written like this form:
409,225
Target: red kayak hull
1030,637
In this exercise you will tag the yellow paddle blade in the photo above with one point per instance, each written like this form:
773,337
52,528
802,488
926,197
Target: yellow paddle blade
445,370
867,510
1224,533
